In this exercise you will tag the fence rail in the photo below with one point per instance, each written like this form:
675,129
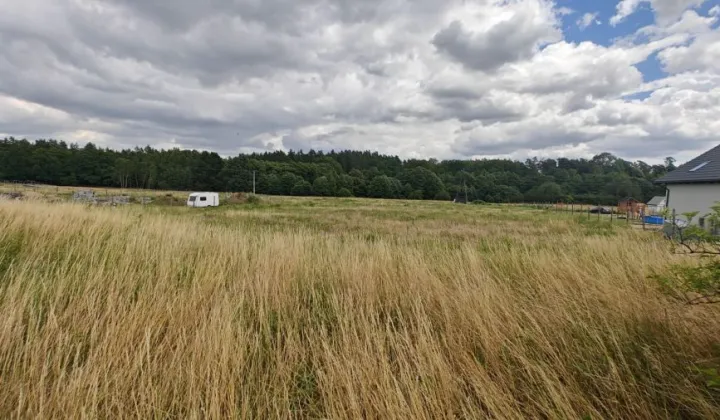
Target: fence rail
611,214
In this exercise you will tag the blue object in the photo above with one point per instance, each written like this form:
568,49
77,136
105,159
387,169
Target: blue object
654,220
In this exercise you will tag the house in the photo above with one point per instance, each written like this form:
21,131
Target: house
631,207
694,186
657,204
203,199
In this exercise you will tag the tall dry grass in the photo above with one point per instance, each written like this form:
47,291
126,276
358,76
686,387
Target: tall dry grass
113,313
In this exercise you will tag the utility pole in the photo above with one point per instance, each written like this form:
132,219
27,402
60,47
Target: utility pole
253,182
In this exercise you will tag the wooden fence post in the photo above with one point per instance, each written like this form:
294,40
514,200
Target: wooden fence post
673,223
642,216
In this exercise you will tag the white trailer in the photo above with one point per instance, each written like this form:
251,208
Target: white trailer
203,199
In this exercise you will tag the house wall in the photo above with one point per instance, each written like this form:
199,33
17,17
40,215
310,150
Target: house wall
655,209
684,198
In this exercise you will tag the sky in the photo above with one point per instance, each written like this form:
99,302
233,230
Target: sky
415,78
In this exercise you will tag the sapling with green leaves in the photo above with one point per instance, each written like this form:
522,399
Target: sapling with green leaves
697,283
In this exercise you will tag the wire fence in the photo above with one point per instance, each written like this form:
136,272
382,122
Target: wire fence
28,190
636,215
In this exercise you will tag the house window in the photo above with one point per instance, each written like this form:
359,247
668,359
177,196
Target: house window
700,166
701,222
203,198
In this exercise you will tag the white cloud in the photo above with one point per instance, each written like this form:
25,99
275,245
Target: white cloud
702,54
587,20
666,11
564,11
416,78
624,9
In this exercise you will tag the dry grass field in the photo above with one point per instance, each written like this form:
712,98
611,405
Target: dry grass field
342,308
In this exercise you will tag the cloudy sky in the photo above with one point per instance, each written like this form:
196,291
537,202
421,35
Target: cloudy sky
417,78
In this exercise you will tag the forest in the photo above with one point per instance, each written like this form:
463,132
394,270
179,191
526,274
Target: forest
603,179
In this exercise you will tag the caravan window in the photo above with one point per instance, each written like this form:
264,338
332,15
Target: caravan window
192,198
203,198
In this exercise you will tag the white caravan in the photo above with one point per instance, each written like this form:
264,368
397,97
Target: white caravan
203,199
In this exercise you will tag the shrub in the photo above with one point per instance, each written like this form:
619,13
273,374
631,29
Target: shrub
253,199
344,192
693,283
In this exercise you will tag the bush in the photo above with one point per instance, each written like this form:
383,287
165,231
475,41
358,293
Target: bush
344,192
693,284
253,199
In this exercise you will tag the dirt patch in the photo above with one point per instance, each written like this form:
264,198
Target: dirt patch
237,198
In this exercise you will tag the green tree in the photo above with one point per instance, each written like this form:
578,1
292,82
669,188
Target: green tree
442,195
380,187
302,188
421,178
505,194
547,192
415,195
323,187
288,180
603,179
271,184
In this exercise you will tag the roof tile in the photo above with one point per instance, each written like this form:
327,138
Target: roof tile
707,173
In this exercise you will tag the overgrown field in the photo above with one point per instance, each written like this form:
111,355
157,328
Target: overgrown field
312,308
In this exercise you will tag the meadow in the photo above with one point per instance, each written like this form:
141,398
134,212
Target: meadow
342,308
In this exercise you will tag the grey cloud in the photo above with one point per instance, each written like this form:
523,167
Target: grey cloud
578,101
215,51
392,75
292,16
453,93
506,42
297,141
534,135
466,105
482,110
620,116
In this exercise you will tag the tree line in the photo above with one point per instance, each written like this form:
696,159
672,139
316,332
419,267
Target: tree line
604,179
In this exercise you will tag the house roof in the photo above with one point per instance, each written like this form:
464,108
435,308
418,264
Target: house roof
704,168
656,201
